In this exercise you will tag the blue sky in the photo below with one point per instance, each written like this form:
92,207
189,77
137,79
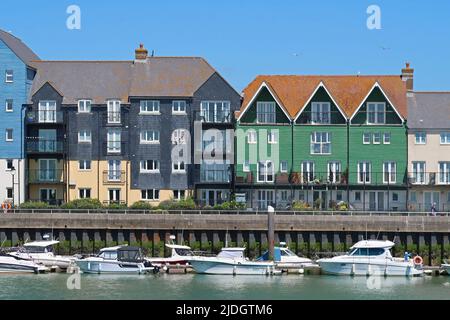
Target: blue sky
244,38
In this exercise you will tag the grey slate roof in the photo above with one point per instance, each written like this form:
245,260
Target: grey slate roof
429,110
102,80
18,47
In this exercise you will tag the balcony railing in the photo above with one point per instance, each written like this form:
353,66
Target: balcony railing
215,176
44,146
114,147
113,177
224,117
114,117
429,178
46,176
44,116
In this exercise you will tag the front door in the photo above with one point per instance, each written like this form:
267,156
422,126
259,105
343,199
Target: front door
265,199
114,195
431,198
48,196
380,201
47,170
372,201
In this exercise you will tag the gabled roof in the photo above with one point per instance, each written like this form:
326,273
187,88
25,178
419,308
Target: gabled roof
347,91
429,110
18,47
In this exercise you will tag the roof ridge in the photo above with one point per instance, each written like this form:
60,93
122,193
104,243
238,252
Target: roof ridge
329,75
84,61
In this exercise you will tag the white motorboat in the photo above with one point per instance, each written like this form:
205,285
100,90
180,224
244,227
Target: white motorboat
285,258
41,252
446,268
371,257
231,261
12,264
120,259
180,255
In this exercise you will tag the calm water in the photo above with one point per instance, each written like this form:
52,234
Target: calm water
191,286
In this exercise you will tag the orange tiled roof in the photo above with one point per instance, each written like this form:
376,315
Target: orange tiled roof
348,91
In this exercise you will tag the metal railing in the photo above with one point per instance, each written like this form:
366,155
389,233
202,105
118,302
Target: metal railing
46,176
114,177
44,116
224,117
44,146
114,117
213,176
429,178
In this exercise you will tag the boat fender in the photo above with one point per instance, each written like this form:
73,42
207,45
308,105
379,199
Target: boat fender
418,260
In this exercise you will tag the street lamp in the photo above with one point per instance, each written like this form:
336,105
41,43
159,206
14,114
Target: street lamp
13,172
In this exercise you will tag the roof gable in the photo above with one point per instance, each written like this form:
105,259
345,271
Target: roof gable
20,49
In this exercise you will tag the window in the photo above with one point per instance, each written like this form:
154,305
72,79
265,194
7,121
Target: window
272,136
85,193
84,136
364,172
9,76
284,166
114,141
320,113
386,138
339,196
420,138
389,172
149,107
9,164
9,135
178,107
114,171
301,195
84,165
366,138
9,193
179,136
149,136
334,172
84,106
308,171
265,171
418,173
251,137
395,196
265,112
179,194
320,143
284,195
376,113
114,111
149,166
246,166
413,196
376,138
444,172
9,105
445,138
47,111
215,111
358,196
150,195
178,167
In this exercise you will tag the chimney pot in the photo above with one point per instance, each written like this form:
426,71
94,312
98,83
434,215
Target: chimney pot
141,53
408,76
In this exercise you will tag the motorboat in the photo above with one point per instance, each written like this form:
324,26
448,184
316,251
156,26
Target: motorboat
41,252
285,258
13,264
372,257
119,259
446,267
231,261
180,255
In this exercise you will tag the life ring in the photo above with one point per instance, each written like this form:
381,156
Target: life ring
418,260
6,206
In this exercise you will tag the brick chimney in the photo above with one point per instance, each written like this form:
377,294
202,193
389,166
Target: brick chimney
408,77
141,53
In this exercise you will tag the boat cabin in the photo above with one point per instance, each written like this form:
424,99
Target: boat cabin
232,253
40,246
180,251
122,253
371,248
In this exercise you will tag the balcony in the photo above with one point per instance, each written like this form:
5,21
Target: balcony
44,117
52,176
44,146
428,178
224,117
215,176
318,178
114,117
114,148
114,177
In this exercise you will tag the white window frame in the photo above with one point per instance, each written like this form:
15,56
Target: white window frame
155,193
387,134
367,135
367,172
266,174
114,107
444,138
176,167
390,168
7,104
9,76
376,134
284,163
150,107
420,134
47,111
8,189
318,111
444,172
177,195
7,164
149,137
114,138
84,191
176,107
246,166
84,136
252,137
84,106
334,168
7,138
419,172
144,164
308,171
82,165
376,112
272,136
179,136
263,114
210,110
321,143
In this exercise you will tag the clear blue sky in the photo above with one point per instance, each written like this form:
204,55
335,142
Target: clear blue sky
244,38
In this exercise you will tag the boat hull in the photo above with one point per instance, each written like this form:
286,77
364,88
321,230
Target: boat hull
11,265
231,268
367,269
46,260
112,267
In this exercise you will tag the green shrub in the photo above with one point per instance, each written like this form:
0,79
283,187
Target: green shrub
35,205
142,205
83,204
116,206
300,205
185,204
230,205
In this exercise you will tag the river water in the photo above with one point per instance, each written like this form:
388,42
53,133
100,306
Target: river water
193,287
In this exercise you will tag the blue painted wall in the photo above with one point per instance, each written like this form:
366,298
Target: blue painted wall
17,91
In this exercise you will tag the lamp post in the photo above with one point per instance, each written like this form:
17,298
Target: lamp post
13,172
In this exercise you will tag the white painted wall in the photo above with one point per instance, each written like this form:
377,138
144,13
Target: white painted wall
6,181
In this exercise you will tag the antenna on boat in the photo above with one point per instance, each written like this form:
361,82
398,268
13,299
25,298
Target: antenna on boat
379,230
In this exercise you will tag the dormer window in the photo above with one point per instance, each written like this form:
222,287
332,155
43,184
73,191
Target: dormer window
320,113
114,111
376,113
84,106
265,112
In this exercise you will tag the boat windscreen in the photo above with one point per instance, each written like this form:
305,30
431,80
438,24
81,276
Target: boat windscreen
231,254
183,252
129,255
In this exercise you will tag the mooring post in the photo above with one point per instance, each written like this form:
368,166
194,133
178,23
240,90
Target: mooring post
271,232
